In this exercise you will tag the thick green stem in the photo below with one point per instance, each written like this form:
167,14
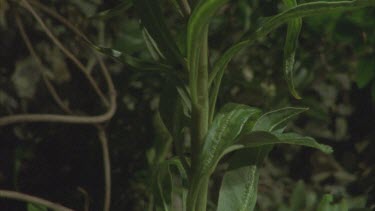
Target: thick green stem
200,108
201,203
197,197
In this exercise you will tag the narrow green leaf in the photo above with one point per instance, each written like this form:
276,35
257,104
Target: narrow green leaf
172,113
162,141
135,63
238,190
182,6
118,10
152,18
163,186
294,28
223,132
197,25
152,46
277,119
34,207
302,10
262,138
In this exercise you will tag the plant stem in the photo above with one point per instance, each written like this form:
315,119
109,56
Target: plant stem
107,167
201,203
200,108
197,197
32,199
68,53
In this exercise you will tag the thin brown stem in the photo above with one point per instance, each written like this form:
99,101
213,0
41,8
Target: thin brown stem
32,199
107,167
66,52
94,120
60,18
86,198
51,89
24,118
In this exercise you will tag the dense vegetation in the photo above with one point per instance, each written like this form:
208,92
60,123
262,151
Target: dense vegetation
334,74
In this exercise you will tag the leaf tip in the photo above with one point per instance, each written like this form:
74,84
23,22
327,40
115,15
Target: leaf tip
327,149
295,93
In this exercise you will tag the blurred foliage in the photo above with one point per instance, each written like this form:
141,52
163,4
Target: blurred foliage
335,75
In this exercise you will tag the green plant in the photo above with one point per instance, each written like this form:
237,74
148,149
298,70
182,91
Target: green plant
241,134
244,134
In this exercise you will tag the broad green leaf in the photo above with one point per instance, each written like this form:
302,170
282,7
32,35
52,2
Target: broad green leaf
223,132
302,10
151,16
365,73
262,138
238,191
118,10
273,121
294,28
34,207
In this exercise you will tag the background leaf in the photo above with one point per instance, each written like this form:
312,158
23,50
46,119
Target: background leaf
34,207
152,18
118,10
365,72
239,189
294,28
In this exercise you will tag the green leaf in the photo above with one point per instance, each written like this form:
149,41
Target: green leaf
135,63
152,18
239,189
172,113
34,207
163,186
162,141
223,132
277,119
294,28
262,138
152,46
273,121
325,203
298,197
197,27
118,10
302,10
365,73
